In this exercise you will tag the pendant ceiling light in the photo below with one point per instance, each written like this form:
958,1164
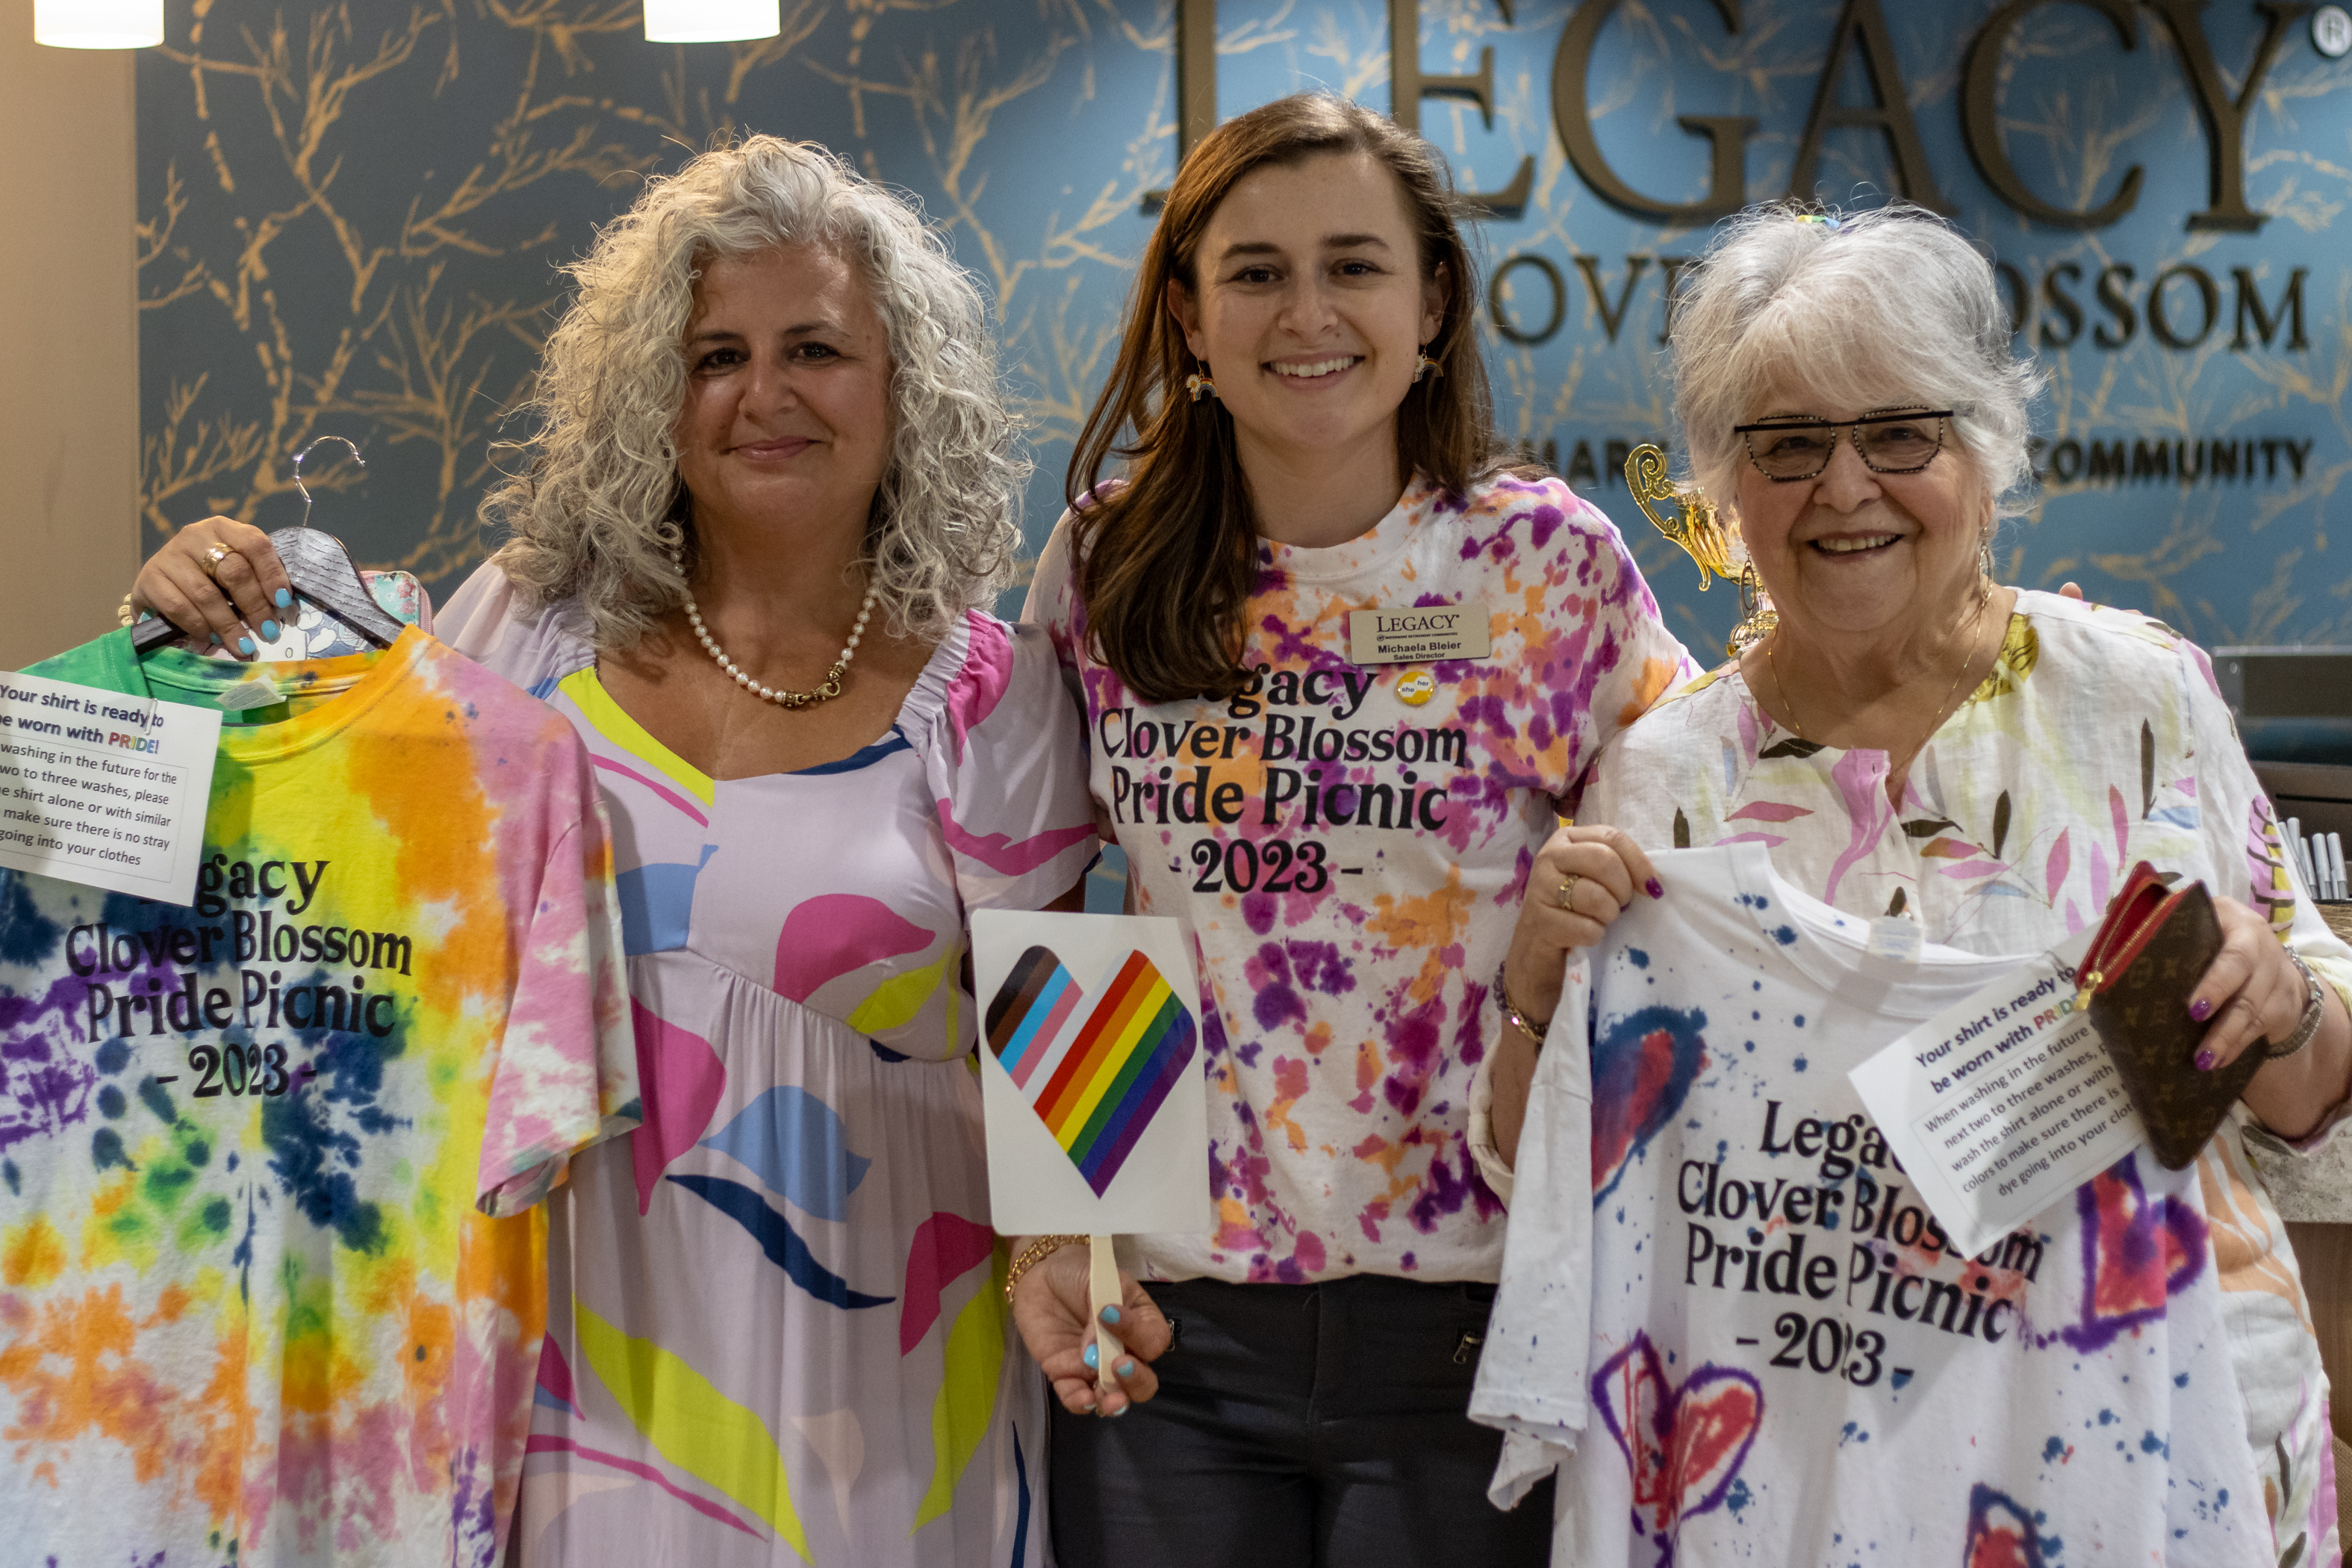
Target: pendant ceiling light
97,24
710,21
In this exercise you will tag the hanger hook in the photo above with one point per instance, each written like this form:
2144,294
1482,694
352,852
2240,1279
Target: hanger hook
305,452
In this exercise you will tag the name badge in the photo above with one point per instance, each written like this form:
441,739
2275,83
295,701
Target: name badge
1420,636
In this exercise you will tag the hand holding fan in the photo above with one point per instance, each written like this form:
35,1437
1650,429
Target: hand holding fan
1090,1083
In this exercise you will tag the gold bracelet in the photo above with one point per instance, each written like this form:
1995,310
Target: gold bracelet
1037,1252
1533,1028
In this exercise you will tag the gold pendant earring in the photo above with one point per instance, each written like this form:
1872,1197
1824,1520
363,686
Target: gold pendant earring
1756,616
1699,528
1199,385
1423,364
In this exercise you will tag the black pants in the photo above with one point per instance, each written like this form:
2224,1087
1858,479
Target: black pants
1297,1426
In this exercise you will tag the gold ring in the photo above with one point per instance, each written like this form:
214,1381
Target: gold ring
211,560
1567,891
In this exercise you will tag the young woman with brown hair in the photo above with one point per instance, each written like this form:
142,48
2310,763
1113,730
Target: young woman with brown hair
1340,665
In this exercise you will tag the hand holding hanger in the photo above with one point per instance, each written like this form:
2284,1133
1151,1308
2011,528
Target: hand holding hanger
222,580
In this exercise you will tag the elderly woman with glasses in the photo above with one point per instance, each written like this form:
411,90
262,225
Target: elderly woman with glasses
1912,738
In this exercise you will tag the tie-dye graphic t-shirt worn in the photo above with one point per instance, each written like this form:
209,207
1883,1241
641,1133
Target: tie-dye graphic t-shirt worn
1772,1354
2098,741
1346,842
271,1287
777,1330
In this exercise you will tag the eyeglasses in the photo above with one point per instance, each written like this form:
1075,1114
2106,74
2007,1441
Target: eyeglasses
1792,447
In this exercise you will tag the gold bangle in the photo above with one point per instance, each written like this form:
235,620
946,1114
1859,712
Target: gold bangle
1037,1252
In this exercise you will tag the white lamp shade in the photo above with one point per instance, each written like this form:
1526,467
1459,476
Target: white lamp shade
97,24
711,21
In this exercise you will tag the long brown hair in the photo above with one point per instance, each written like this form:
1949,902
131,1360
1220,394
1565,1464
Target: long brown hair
1165,564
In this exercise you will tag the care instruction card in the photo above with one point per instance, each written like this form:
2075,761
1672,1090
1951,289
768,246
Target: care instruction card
2003,1104
103,789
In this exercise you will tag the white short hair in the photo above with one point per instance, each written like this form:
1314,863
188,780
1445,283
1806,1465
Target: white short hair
1872,310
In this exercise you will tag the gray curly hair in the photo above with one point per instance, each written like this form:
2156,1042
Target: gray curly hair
1871,310
599,509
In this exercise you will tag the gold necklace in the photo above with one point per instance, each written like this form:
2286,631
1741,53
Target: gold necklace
1935,723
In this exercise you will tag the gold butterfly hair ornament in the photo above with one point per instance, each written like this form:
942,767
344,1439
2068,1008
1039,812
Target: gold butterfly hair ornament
1697,527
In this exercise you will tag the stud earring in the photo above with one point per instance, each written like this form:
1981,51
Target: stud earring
1199,385
1423,364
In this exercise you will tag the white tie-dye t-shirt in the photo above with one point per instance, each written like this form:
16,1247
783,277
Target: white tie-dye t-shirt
1347,842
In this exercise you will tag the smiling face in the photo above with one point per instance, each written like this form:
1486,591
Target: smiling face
787,413
1309,309
1852,551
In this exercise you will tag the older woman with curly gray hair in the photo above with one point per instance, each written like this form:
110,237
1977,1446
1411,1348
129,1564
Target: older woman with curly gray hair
770,482
1913,751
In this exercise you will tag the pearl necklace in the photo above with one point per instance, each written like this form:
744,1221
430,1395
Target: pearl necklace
826,689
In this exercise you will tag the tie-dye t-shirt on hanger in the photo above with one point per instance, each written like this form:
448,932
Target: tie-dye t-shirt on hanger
1347,842
271,1287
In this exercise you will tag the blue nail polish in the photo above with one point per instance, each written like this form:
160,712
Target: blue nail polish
216,636
1125,1369
1110,1314
269,631
244,647
283,599
1094,1356
1122,1410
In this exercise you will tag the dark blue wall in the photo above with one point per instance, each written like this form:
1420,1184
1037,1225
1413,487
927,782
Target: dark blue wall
352,218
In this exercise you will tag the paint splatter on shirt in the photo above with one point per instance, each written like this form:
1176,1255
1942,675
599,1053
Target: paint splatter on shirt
271,1287
2099,740
1724,1295
1347,842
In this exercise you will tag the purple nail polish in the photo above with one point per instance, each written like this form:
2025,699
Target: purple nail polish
2201,1009
1657,888
2204,1061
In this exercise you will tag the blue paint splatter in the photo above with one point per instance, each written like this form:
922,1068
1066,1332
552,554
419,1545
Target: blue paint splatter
1799,1064
2054,1451
1637,958
1785,935
2150,1443
1643,1065
1737,1498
